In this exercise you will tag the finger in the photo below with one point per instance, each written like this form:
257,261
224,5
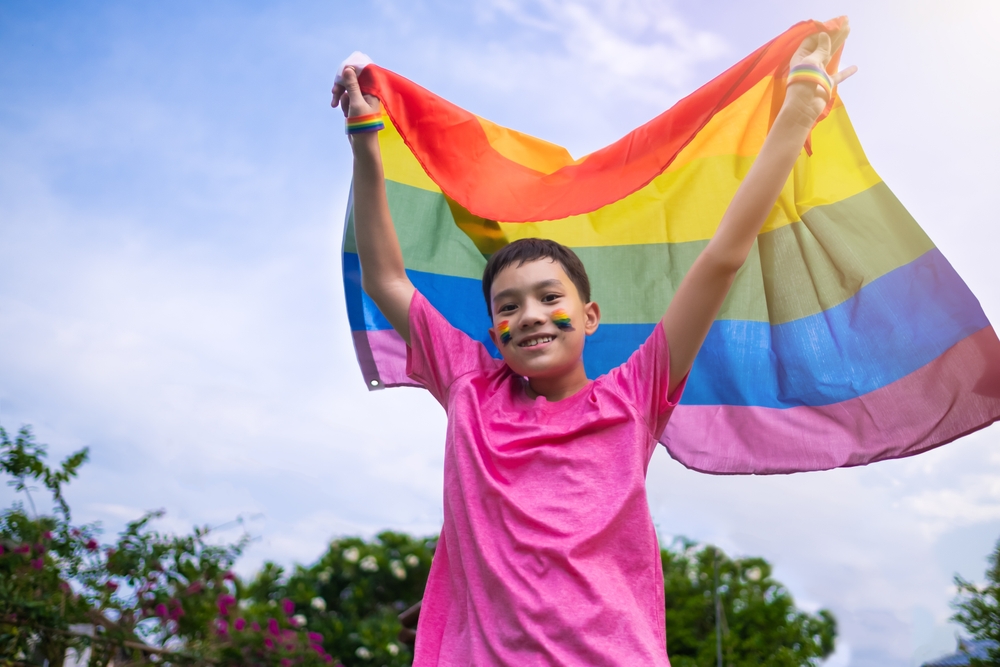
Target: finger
338,92
844,74
350,77
345,104
823,47
839,37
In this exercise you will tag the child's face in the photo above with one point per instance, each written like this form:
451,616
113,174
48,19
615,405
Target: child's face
539,321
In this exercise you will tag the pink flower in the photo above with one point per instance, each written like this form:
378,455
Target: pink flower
176,611
64,587
272,627
22,549
75,532
229,576
91,544
111,586
285,662
288,606
240,624
224,602
327,658
193,588
268,642
255,626
38,563
221,626
47,535
1,550
160,610
315,638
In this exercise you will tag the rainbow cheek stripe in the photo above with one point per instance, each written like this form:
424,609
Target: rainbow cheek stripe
503,330
562,320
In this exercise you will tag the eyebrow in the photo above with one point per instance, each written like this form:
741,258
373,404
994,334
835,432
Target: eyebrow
512,291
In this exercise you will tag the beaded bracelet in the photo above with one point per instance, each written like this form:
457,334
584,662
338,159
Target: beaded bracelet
809,73
368,123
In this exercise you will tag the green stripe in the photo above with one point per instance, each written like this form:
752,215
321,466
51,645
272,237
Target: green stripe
837,249
795,271
427,233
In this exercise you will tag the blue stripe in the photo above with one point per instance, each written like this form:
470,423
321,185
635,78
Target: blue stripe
460,300
890,328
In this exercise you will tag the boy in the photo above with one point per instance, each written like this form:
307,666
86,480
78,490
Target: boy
548,554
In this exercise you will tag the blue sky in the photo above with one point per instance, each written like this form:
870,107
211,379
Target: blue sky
172,190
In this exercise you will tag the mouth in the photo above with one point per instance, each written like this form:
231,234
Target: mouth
536,341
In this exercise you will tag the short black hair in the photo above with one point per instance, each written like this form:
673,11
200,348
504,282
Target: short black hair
528,250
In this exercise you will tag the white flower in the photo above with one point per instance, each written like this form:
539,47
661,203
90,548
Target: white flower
397,569
324,576
298,620
363,653
369,564
318,603
392,649
411,560
753,574
351,555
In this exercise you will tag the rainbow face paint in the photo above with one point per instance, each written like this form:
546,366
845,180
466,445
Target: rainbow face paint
503,331
561,319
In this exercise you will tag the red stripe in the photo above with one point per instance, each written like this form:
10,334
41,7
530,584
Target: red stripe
450,143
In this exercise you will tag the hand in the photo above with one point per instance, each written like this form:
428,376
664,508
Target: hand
817,49
347,95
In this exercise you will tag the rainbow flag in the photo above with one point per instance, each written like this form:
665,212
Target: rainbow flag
847,336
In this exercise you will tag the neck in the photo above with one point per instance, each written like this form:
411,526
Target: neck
560,387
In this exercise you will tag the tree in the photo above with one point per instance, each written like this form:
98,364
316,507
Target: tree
978,609
759,622
176,598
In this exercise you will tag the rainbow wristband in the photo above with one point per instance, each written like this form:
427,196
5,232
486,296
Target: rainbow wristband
814,74
368,123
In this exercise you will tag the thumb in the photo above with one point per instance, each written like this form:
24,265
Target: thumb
824,48
353,88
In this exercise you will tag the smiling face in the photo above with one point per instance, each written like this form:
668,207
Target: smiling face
540,322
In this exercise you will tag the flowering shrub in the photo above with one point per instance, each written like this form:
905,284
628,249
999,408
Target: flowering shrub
177,598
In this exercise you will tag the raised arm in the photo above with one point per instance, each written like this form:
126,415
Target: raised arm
700,295
383,275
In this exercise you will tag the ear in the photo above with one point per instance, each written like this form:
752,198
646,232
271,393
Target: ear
591,317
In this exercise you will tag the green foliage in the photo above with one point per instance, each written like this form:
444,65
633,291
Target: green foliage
354,593
177,597
147,594
978,609
759,621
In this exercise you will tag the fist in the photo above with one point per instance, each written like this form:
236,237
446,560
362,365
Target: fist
347,95
817,49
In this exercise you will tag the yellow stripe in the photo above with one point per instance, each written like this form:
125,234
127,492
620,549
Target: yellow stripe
686,202
398,162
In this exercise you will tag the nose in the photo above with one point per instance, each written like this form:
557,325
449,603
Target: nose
534,315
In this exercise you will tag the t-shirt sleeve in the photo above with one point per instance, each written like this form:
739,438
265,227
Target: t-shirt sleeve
644,381
438,353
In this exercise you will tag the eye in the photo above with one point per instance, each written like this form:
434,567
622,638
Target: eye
507,308
549,298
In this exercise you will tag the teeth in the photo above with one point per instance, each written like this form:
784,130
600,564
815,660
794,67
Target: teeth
531,342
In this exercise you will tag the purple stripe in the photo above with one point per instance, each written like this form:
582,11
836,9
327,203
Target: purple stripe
957,393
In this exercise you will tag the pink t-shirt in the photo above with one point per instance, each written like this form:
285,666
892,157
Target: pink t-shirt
548,554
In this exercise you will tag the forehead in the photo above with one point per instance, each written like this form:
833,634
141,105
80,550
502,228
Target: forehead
526,276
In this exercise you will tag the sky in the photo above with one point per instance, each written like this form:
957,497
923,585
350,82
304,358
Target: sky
172,192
